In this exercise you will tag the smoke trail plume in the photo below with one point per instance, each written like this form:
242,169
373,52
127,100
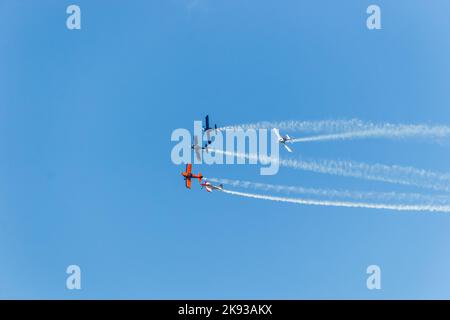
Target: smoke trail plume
304,126
397,133
340,194
348,204
351,129
395,174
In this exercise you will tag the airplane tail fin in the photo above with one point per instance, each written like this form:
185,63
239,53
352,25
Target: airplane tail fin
221,186
287,137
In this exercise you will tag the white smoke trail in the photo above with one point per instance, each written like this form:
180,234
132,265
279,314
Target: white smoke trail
379,133
351,129
304,126
348,204
345,136
377,172
375,133
409,176
342,194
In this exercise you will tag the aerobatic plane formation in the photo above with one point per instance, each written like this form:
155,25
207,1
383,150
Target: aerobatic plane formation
198,149
248,150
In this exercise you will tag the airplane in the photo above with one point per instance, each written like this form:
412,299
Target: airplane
207,129
188,175
196,147
210,187
283,140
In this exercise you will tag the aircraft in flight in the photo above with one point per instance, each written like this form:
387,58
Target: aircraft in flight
188,175
283,140
210,187
207,128
196,147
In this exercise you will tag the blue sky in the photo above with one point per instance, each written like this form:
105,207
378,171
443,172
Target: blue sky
85,170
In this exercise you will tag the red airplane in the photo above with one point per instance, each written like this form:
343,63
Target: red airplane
188,175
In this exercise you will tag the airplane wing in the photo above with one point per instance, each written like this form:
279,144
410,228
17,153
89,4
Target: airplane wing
287,148
188,183
188,168
197,153
195,140
277,132
197,149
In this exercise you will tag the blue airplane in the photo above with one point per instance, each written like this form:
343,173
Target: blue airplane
207,128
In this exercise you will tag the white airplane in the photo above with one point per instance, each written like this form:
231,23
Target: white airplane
210,187
198,149
283,140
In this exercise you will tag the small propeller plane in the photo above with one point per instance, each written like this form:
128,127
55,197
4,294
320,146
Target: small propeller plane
283,140
210,187
188,175
207,129
196,147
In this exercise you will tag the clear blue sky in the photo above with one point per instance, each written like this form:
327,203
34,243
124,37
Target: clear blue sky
85,124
